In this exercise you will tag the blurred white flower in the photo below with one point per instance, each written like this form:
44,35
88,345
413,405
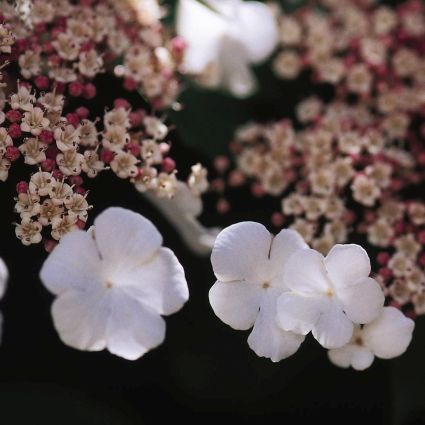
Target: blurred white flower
386,337
3,282
112,284
329,294
182,211
224,37
249,263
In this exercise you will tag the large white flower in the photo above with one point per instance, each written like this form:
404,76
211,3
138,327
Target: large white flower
113,283
386,337
329,294
249,263
223,38
3,282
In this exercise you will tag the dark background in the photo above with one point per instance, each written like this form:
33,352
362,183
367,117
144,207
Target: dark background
204,371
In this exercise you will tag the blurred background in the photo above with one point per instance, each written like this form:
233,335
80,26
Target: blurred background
205,370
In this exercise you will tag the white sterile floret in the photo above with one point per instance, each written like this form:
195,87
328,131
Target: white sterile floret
3,282
328,295
113,284
224,37
388,336
249,263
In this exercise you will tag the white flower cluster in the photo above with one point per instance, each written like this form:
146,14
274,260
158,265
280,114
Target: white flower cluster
284,290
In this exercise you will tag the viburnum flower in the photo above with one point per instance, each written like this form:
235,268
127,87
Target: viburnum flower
224,38
328,295
3,282
249,263
388,336
113,284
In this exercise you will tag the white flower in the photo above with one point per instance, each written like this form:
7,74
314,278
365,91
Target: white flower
3,281
329,294
226,36
112,284
249,264
386,337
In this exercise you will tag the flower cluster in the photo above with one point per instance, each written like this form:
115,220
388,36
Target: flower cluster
70,43
284,290
64,146
349,166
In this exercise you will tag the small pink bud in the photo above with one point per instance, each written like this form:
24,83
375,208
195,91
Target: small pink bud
129,84
422,259
76,180
76,88
277,219
107,156
80,190
383,258
221,163
41,82
121,103
57,174
73,119
168,164
236,178
12,153
136,118
133,148
52,152
22,187
421,237
49,245
13,115
89,91
14,131
82,112
48,165
385,273
46,136
81,224
222,206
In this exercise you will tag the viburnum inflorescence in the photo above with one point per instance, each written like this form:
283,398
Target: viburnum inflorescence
348,166
57,53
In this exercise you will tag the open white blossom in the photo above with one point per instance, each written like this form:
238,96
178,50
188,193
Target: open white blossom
388,336
328,295
3,282
113,284
224,37
249,263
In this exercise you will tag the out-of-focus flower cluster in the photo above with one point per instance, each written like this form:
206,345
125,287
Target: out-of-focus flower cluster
348,167
70,43
65,147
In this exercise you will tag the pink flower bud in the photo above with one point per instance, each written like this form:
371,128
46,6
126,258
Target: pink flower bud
13,115
49,245
89,91
81,224
76,180
82,112
129,84
41,82
107,156
134,148
12,153
57,174
168,164
73,119
385,273
121,103
383,258
80,190
277,219
222,206
48,165
22,187
76,88
14,131
46,136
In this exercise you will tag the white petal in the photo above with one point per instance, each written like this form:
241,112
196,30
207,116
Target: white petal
341,357
257,27
298,313
284,244
362,358
241,252
73,264
80,319
267,339
202,29
236,303
390,334
132,329
236,76
305,272
4,275
362,300
159,284
125,237
333,329
347,264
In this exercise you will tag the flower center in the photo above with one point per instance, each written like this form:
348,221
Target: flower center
109,285
329,292
265,285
